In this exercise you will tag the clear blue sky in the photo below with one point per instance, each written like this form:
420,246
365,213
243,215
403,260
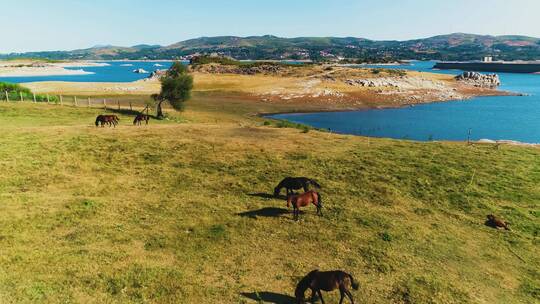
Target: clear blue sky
31,25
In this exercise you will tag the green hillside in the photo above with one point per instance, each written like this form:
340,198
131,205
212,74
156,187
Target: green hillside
456,46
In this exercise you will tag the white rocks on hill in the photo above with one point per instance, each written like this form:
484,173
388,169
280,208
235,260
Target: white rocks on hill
397,83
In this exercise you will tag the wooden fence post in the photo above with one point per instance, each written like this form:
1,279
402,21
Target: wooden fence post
61,100
7,96
34,97
105,103
75,100
89,102
48,100
130,107
20,94
118,101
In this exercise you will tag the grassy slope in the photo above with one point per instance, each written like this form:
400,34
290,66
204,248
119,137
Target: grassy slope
169,212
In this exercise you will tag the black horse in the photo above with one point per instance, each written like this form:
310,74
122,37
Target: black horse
140,118
326,281
295,183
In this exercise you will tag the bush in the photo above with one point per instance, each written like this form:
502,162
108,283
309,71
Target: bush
13,88
14,92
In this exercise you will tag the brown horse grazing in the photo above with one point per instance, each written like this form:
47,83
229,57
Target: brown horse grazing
495,222
111,120
139,118
303,200
327,281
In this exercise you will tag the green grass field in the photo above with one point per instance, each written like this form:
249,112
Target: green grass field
178,211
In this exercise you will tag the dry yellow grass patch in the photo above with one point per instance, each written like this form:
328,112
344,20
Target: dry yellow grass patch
95,88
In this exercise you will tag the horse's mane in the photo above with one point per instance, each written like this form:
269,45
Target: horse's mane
98,119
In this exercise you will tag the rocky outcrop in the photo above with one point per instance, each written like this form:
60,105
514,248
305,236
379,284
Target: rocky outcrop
140,71
156,75
397,83
373,82
480,80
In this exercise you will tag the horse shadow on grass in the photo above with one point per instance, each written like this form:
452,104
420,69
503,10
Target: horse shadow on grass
265,212
268,196
269,297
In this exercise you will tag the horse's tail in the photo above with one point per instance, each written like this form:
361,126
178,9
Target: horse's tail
315,184
319,198
354,283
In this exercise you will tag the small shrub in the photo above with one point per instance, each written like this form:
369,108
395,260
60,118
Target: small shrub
155,242
385,236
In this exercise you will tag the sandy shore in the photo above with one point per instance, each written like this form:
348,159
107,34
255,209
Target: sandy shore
40,71
29,68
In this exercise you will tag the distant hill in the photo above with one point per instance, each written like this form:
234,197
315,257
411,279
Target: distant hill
457,46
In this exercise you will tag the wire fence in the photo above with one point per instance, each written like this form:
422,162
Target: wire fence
133,104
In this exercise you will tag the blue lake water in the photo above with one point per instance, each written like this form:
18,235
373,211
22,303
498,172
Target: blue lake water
501,117
115,71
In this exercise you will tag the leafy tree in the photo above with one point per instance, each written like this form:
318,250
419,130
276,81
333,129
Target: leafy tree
176,86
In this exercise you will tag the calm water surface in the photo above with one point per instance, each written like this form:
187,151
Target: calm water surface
508,117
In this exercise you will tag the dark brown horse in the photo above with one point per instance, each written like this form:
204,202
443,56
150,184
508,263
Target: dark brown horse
326,281
495,222
139,118
111,120
295,183
303,200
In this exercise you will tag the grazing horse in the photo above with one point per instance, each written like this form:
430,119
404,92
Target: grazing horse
111,120
139,118
327,281
303,200
295,183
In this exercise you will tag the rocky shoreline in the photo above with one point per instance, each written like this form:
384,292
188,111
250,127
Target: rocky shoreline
476,79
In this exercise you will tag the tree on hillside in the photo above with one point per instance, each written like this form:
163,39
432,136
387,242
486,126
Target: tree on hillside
176,87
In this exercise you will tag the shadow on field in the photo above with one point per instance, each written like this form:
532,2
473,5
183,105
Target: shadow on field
268,196
266,212
269,297
128,112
